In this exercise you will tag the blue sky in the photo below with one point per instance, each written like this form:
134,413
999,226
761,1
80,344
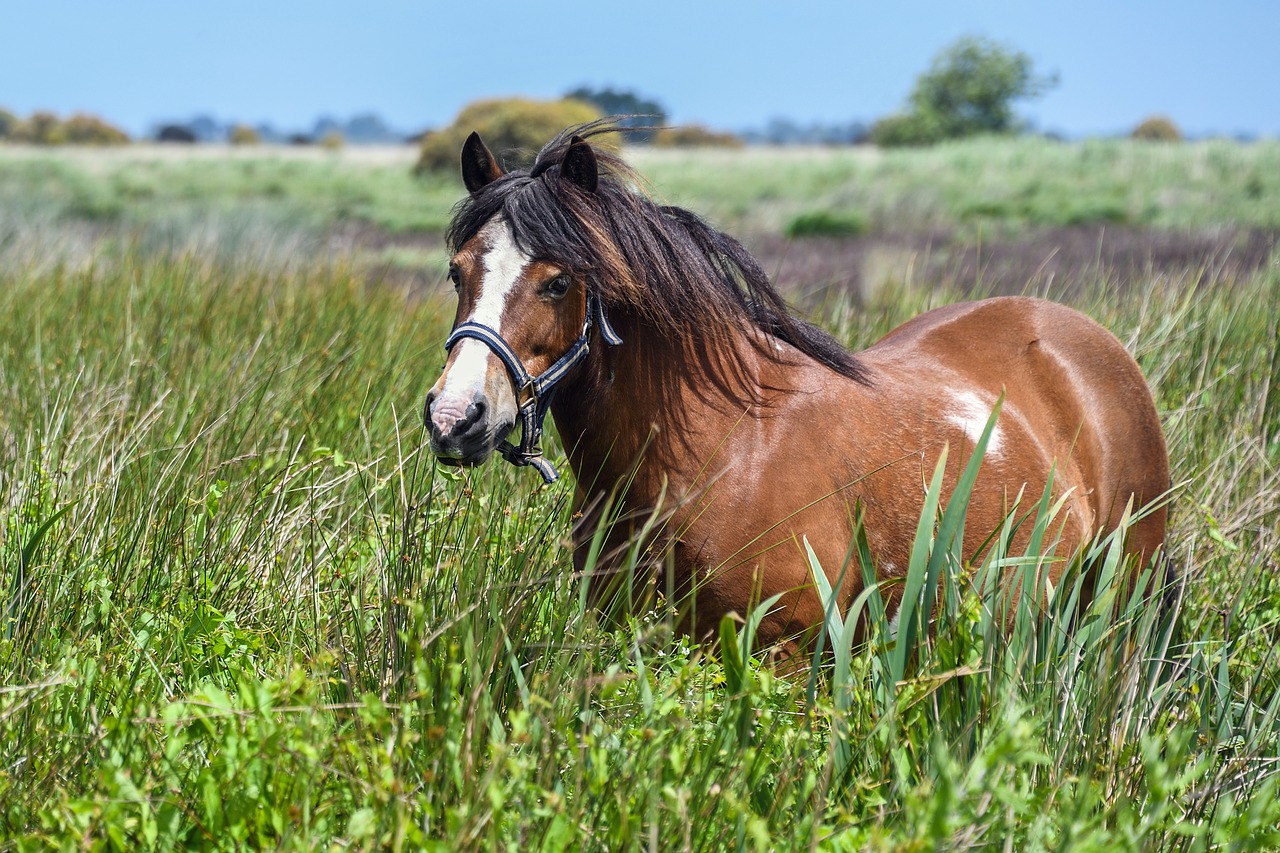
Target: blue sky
1212,67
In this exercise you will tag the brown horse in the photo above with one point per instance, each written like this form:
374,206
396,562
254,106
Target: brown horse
676,374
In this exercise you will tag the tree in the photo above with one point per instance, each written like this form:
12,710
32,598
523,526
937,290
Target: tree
175,133
636,111
969,89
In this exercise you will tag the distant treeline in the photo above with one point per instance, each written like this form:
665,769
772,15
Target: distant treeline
646,118
784,131
970,89
47,128
362,129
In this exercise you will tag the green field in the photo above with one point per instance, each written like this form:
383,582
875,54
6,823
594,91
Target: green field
240,607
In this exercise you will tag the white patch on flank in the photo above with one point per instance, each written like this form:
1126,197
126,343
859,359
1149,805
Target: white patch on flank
970,414
504,263
891,571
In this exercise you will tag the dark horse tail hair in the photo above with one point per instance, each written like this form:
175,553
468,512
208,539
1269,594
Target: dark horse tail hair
692,281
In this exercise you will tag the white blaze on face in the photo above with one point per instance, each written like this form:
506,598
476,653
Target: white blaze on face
504,263
970,414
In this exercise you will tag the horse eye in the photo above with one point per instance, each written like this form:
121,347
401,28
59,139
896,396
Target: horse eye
455,277
558,286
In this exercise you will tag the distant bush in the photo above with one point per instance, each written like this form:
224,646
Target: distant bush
40,128
694,136
8,121
45,128
1094,211
85,129
513,128
827,223
175,133
903,129
242,134
1157,129
332,141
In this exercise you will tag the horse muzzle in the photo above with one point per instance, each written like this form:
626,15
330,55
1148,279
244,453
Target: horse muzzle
463,432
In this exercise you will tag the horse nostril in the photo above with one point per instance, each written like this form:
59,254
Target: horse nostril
473,417
426,408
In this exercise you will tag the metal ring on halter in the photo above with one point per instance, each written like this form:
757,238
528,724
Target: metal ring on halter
533,410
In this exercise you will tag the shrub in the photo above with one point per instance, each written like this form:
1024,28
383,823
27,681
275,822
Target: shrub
1094,211
85,129
513,128
242,134
332,141
8,121
42,128
1157,129
45,128
827,223
694,136
902,129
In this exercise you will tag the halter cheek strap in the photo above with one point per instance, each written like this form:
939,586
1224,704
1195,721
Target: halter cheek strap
534,393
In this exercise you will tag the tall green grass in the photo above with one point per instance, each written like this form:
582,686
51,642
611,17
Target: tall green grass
241,607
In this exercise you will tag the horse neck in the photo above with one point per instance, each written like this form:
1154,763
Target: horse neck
651,411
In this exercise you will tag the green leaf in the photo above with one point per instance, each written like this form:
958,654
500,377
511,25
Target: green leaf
363,824
735,672
917,570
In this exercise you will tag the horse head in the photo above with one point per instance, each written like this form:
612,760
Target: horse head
523,322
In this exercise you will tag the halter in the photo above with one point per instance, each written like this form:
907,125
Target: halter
534,393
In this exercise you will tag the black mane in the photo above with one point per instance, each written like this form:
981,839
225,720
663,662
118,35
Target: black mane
690,280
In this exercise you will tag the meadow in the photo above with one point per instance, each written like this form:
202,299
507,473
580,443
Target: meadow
240,606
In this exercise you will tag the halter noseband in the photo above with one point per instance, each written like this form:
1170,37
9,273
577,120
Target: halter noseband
536,391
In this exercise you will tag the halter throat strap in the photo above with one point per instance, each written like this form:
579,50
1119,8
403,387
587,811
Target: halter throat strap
534,393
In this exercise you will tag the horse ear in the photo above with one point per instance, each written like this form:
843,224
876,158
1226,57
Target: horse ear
479,168
579,165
